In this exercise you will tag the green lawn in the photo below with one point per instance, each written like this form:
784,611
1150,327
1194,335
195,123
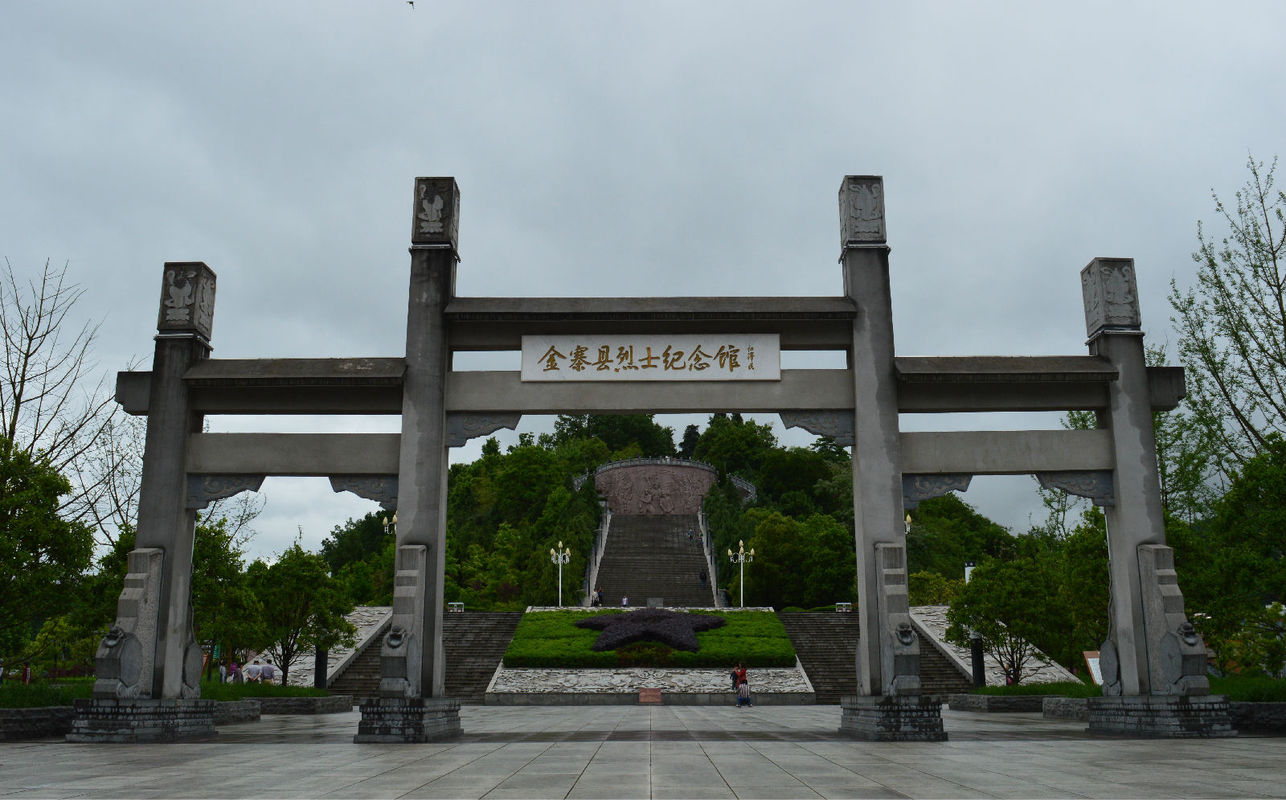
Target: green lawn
550,639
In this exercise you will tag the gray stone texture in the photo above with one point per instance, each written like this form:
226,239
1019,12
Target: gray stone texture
142,720
654,487
35,723
408,720
123,666
892,719
187,299
330,704
1258,717
401,650
996,703
1072,708
1167,716
232,712
1176,654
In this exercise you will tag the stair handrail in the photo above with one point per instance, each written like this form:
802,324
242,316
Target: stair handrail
596,555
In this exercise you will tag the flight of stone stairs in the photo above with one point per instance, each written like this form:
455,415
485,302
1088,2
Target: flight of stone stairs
474,642
826,643
652,556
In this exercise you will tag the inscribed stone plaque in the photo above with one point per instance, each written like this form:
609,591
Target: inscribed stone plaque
680,357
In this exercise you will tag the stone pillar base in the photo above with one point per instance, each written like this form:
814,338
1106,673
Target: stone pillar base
142,720
1167,716
892,719
408,719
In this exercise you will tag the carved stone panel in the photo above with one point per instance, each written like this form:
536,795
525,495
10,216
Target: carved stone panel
461,427
436,218
380,488
187,299
1111,295
861,210
655,488
1094,484
836,424
922,487
205,489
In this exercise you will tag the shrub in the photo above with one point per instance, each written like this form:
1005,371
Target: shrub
14,694
1063,688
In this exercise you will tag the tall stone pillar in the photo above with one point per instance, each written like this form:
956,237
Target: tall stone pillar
411,706
149,664
1153,662
888,683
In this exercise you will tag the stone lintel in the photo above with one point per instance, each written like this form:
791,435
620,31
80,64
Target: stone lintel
1005,452
1003,369
294,454
296,372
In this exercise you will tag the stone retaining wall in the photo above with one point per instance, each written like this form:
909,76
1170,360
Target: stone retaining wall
142,720
1258,717
332,704
35,723
725,698
228,712
1162,715
996,702
1076,709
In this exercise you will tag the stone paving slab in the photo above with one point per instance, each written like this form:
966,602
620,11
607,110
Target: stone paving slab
666,751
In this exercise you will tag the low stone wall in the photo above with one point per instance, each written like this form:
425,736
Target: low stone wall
1162,715
726,698
35,723
232,711
1258,717
331,704
1076,709
142,720
996,702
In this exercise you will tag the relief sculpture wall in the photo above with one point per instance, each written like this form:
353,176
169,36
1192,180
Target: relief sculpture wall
654,487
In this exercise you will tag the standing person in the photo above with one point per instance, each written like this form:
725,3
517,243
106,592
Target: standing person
267,673
740,672
234,674
223,672
743,695
705,578
625,601
597,599
253,672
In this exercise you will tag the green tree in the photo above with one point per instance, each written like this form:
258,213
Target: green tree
42,555
946,532
803,563
688,447
303,606
1010,605
618,431
1232,324
735,446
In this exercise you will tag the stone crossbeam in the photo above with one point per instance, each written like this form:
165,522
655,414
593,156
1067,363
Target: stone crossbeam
293,454
1005,452
925,385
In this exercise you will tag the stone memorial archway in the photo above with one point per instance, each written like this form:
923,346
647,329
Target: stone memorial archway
664,355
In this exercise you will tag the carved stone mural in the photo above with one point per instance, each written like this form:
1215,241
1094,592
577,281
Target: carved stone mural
655,486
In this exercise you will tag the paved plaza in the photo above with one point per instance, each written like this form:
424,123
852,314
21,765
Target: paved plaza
665,751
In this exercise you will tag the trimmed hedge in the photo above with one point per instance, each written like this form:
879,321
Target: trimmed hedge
229,692
1250,690
14,694
1062,689
550,639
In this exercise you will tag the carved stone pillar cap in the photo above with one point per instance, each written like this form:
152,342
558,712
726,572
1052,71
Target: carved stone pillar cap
1111,296
861,210
187,299
436,215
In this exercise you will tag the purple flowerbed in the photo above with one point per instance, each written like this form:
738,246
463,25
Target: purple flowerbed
674,629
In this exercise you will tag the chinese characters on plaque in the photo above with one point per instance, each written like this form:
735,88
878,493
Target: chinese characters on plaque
712,357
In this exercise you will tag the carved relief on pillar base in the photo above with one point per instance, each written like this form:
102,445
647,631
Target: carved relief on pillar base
899,646
402,652
123,663
1176,653
924,487
461,427
380,488
205,489
838,425
1093,484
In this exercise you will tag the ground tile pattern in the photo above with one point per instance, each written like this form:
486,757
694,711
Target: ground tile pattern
654,752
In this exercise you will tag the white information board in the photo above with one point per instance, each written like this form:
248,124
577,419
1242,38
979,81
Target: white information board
681,357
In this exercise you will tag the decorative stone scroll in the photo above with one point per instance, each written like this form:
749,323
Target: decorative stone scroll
1094,484
205,489
861,207
1111,296
899,646
123,663
836,424
461,427
187,299
380,488
922,487
1176,654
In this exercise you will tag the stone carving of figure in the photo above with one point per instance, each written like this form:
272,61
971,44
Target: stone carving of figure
179,287
430,212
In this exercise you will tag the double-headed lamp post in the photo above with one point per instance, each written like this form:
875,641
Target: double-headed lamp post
560,556
741,557
390,523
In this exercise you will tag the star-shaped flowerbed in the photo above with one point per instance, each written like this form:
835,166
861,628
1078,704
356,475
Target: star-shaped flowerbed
677,630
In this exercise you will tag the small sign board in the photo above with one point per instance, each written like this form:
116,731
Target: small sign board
680,357
649,696
1091,661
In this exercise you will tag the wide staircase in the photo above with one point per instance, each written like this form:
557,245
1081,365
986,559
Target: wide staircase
474,642
652,556
826,644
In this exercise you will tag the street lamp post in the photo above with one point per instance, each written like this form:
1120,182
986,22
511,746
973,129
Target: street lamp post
390,523
741,557
975,644
560,556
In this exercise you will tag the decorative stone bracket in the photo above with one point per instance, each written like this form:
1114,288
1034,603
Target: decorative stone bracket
923,487
836,424
205,489
380,488
461,427
1093,484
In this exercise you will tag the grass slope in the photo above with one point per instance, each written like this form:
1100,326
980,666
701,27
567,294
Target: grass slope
550,639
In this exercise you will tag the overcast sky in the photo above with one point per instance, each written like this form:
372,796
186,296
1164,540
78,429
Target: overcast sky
620,149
